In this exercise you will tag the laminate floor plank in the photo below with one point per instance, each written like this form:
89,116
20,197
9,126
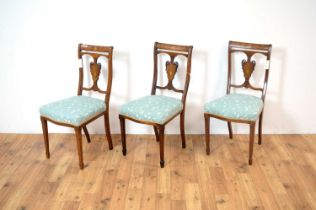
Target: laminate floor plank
283,174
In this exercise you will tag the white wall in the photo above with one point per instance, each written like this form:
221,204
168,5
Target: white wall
38,55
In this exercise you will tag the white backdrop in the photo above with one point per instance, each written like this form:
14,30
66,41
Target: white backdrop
38,56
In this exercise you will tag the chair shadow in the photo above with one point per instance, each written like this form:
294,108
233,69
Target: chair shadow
212,85
121,86
275,105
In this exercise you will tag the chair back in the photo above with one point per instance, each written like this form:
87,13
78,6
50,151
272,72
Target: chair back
95,52
172,66
248,65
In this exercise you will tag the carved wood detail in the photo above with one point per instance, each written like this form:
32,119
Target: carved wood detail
95,69
171,69
248,67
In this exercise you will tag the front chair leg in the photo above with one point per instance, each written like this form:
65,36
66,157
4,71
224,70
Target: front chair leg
45,134
182,130
251,141
230,130
123,134
156,133
161,129
79,146
207,133
260,128
86,133
107,130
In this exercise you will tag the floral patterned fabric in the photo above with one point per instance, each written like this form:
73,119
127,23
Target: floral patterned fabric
236,106
74,111
155,108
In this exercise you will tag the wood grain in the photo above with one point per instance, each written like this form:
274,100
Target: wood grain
283,176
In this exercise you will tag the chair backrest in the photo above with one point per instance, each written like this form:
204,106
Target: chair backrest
171,66
248,66
95,52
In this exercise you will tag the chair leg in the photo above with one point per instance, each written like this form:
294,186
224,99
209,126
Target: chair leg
182,130
107,130
123,134
156,133
251,141
207,133
161,129
79,146
45,134
86,133
260,129
230,130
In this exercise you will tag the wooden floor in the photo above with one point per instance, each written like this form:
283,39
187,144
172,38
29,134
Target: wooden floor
283,175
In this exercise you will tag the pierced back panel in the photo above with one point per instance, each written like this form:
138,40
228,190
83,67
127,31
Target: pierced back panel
95,52
248,65
172,66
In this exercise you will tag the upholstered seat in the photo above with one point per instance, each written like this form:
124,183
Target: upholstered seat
155,108
236,106
74,110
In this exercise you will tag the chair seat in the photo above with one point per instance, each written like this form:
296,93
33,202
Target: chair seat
156,108
74,110
236,106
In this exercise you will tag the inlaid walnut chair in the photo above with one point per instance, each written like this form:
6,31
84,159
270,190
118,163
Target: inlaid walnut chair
158,110
78,111
236,107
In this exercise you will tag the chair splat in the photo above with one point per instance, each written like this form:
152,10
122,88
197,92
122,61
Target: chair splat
172,51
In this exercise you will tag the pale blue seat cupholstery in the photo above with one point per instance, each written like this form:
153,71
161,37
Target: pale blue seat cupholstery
74,110
155,108
236,106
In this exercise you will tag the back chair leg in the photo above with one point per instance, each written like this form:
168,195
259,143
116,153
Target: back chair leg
156,133
161,129
79,146
107,130
123,134
207,133
86,133
182,130
45,134
251,141
260,129
230,130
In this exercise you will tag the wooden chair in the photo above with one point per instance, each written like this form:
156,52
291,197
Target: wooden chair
158,110
241,108
78,111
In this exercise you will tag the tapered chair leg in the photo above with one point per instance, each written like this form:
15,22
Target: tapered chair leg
107,130
207,133
230,130
156,133
86,133
251,141
161,145
182,130
123,134
79,146
45,134
260,129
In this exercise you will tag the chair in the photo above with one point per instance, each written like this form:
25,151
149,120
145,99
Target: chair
158,110
78,111
241,108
